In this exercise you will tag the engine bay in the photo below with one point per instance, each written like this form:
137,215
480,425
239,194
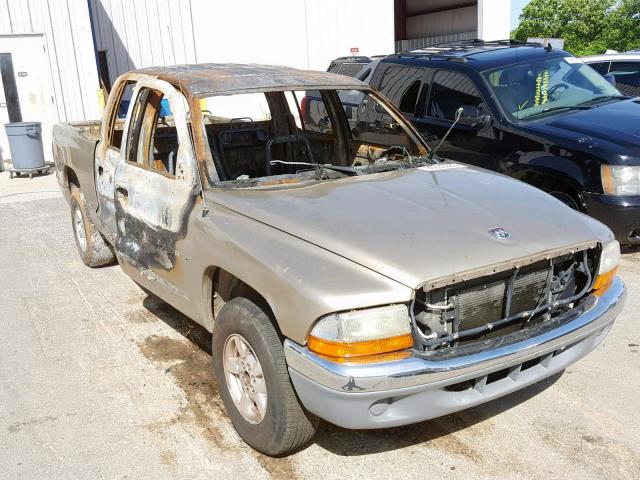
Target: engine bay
491,306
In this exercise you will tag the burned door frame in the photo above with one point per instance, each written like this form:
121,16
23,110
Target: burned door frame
152,208
107,157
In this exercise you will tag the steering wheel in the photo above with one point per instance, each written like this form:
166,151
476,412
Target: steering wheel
553,91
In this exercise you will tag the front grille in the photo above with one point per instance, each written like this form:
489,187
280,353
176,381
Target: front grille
529,289
486,302
501,303
480,304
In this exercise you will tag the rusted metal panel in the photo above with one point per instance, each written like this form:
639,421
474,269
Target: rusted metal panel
212,79
209,79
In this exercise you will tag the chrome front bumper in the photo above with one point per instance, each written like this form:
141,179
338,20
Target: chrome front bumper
415,389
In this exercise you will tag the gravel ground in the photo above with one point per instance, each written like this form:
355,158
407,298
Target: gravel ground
99,381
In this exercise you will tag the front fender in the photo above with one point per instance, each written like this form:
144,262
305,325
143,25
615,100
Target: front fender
549,166
300,281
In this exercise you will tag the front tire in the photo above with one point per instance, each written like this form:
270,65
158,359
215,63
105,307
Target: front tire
94,250
250,368
566,198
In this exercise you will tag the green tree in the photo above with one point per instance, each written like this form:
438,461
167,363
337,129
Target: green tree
624,32
587,26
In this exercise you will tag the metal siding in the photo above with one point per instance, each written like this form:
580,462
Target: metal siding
143,33
19,15
66,60
5,17
69,47
415,43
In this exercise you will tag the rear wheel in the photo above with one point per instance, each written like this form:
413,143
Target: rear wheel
254,383
92,246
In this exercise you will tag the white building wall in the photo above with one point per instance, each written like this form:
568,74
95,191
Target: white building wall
143,33
299,33
494,19
66,29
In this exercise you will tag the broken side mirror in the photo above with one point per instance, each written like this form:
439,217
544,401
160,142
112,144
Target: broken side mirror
473,117
609,77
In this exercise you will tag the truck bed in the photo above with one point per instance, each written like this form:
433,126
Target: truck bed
88,129
74,145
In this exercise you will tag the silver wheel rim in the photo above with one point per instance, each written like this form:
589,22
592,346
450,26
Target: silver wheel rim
245,379
78,227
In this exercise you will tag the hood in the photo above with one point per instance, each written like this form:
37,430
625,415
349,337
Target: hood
610,129
419,224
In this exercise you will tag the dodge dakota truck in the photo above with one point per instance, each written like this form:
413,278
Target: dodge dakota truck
345,271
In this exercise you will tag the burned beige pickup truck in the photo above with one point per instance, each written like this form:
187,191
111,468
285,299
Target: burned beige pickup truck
345,272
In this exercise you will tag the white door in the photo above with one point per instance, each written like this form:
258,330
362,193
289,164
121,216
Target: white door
34,83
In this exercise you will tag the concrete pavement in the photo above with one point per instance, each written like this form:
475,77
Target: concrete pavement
99,381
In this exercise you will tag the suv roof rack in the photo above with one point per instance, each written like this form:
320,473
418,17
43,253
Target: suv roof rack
458,48
352,58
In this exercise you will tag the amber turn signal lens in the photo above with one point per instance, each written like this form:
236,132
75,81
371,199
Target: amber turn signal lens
603,282
607,181
358,349
382,357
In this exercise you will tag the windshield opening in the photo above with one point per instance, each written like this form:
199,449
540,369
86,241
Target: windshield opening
296,137
559,83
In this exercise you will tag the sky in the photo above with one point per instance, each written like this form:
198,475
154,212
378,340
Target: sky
516,9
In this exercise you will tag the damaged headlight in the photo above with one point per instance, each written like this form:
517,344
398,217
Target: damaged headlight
361,333
620,180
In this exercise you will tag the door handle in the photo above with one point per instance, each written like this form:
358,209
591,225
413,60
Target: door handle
100,170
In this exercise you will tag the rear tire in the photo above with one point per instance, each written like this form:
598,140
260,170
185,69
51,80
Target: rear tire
276,424
93,248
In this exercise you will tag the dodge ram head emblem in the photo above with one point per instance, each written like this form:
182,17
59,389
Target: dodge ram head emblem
500,233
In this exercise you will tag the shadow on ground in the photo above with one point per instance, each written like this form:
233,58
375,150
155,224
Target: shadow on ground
345,442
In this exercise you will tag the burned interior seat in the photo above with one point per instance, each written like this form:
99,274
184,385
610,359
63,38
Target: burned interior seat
165,149
296,149
242,149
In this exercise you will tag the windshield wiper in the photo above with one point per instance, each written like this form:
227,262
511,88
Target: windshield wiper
566,107
606,97
319,166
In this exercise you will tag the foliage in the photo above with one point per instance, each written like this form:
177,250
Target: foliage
587,26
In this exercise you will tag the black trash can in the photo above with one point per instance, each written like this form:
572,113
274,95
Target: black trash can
25,144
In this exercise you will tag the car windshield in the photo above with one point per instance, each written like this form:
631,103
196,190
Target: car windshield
293,138
555,84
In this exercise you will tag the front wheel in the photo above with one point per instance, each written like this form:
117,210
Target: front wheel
254,383
565,198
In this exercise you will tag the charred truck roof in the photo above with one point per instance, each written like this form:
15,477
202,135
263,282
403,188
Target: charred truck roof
210,79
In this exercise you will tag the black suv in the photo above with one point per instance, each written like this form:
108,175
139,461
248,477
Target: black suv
532,112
